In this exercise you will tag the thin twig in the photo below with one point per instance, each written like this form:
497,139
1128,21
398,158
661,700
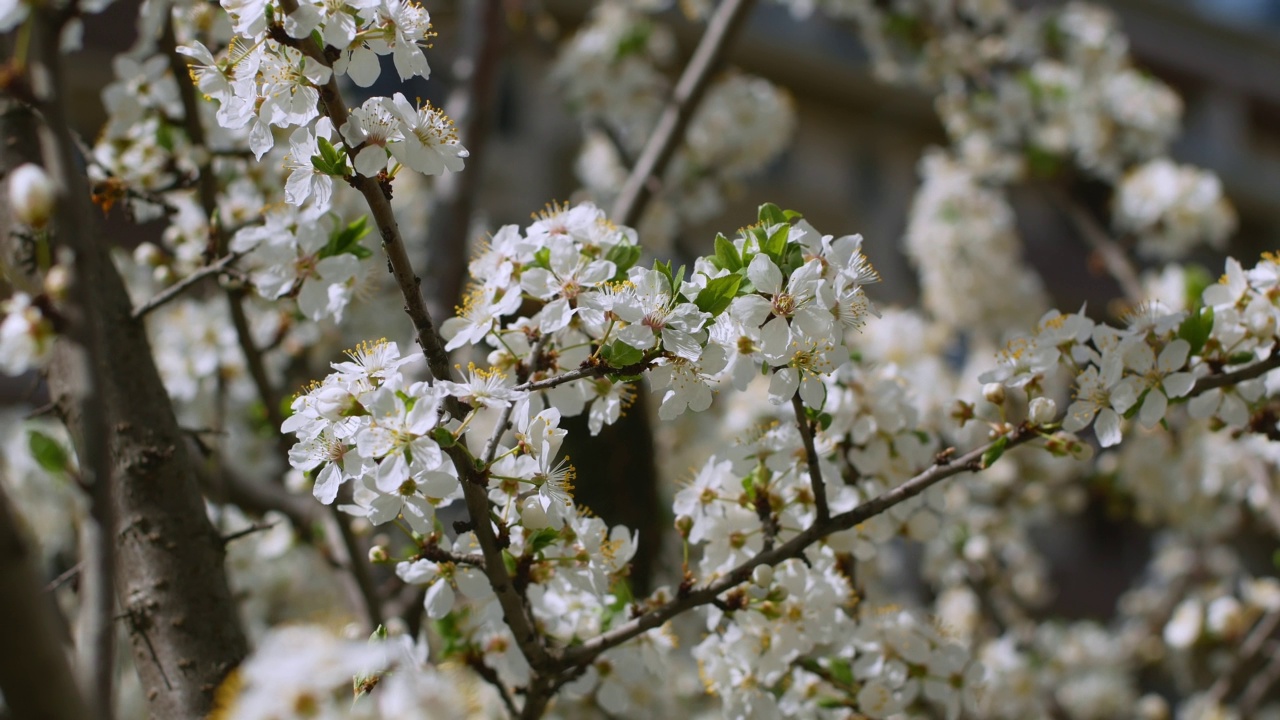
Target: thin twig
256,528
1258,369
1113,257
65,577
1242,659
176,289
811,455
1260,685
667,134
968,462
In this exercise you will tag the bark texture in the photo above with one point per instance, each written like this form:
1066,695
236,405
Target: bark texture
170,581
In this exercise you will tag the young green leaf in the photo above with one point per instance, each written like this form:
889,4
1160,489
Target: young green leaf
719,292
726,257
48,453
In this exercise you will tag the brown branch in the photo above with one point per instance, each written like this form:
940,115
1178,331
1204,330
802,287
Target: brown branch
173,291
646,176
1261,683
1258,369
811,456
968,462
1241,661
35,678
169,575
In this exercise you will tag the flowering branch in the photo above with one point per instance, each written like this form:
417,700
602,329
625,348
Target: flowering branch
513,606
795,547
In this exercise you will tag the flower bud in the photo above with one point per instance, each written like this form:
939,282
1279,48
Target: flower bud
994,393
31,195
148,254
57,281
1042,411
378,554
684,524
762,575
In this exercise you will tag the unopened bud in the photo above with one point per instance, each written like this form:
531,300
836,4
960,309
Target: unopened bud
148,254
684,524
1042,411
762,575
56,282
378,554
994,393
31,195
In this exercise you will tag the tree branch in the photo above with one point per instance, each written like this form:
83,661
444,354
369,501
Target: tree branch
968,462
811,455
646,176
515,611
1258,369
169,574
173,291
35,678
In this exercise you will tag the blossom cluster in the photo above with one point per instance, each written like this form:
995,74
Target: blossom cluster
1141,369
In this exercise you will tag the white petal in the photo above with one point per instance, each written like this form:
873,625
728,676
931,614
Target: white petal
764,274
439,599
1153,408
1179,384
1107,428
783,384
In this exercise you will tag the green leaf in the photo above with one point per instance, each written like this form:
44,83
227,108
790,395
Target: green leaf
770,214
726,257
448,631
776,245
48,452
164,137
347,240
330,161
664,268
1195,329
792,259
623,256
542,539
1196,279
619,354
995,451
824,420
719,292
841,670
542,258
510,561
677,280
634,41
